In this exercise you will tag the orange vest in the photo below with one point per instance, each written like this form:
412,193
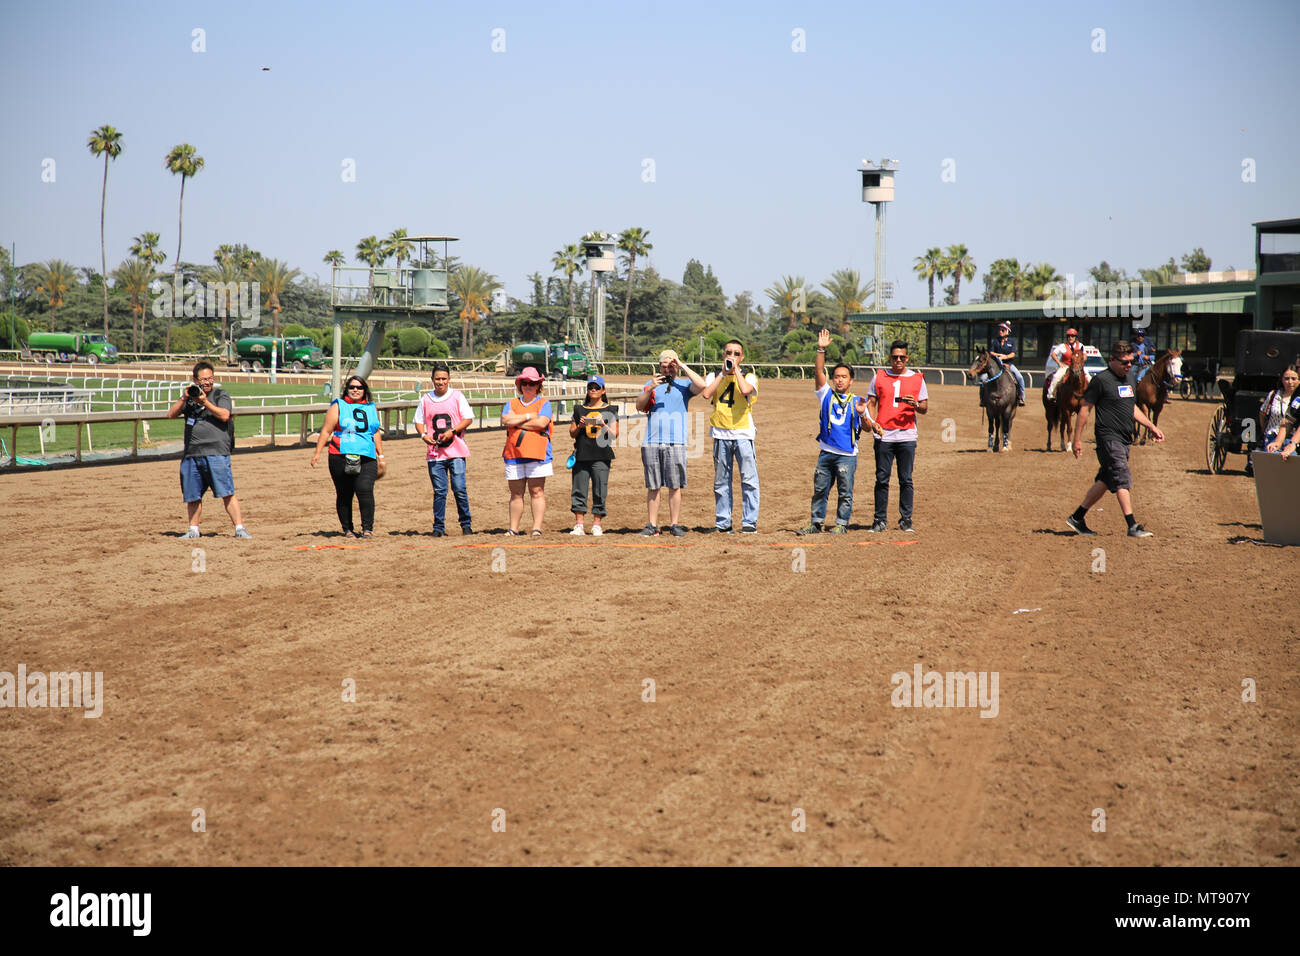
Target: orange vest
523,443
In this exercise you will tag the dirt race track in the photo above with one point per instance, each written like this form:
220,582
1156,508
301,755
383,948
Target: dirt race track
522,690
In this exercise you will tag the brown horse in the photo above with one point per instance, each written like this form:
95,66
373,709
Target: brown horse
1062,409
1153,390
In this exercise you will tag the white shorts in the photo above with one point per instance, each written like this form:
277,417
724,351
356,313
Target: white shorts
528,469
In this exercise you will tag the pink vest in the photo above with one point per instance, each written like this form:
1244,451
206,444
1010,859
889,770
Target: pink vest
439,415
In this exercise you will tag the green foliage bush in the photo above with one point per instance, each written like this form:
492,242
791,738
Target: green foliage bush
412,340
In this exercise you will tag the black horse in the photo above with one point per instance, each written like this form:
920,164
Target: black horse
998,395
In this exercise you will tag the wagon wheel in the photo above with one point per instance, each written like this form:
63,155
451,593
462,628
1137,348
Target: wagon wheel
1216,439
1185,387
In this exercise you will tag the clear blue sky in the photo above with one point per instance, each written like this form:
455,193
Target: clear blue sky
1062,154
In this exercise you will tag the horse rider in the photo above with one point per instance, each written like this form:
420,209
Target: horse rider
1004,347
1058,361
1144,352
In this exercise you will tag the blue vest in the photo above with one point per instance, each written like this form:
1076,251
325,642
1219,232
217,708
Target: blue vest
840,422
357,426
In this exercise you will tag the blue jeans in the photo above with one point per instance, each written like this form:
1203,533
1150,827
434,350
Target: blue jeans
725,451
839,469
440,471
888,452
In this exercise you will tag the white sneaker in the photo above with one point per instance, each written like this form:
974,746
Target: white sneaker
577,529
597,530
192,533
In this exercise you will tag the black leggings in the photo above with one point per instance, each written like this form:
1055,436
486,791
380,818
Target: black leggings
362,485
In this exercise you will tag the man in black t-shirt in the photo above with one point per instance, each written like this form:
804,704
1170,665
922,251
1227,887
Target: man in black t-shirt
209,441
1111,393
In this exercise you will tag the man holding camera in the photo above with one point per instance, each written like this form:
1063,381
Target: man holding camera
209,442
732,429
663,401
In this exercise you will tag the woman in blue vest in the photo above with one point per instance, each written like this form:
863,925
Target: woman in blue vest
356,454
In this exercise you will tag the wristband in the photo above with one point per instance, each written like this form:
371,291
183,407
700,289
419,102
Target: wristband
381,456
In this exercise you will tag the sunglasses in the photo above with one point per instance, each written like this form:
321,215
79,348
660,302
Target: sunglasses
356,388
594,388
898,358
1123,361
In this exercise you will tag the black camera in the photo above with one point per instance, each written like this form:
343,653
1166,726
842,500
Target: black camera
194,392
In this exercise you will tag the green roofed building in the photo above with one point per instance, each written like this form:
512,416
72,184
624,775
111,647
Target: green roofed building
1197,316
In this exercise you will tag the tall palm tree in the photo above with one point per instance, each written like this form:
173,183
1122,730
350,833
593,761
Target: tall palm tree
785,296
632,241
334,258
958,264
135,275
145,246
474,287
570,261
106,142
53,279
182,161
371,250
930,267
845,287
1005,278
274,277
398,246
1039,277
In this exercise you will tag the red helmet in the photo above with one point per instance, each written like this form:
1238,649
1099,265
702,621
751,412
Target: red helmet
1074,332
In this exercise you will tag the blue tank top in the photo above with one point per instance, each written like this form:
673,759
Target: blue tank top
357,426
840,422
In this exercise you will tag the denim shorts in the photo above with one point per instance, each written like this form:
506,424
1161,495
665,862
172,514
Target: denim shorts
204,472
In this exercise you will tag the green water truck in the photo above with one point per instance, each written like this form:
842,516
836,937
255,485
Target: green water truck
91,347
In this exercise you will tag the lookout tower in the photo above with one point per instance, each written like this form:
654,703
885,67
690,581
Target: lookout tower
878,189
599,249
375,294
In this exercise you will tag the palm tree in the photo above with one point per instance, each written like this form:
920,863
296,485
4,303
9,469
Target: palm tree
107,142
570,261
474,287
397,246
371,250
145,246
135,275
788,295
53,279
845,287
930,267
182,161
1005,277
1039,277
334,258
225,272
632,241
958,264
1161,275
274,277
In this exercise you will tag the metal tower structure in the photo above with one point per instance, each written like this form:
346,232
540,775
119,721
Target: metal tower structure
599,249
386,294
878,189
